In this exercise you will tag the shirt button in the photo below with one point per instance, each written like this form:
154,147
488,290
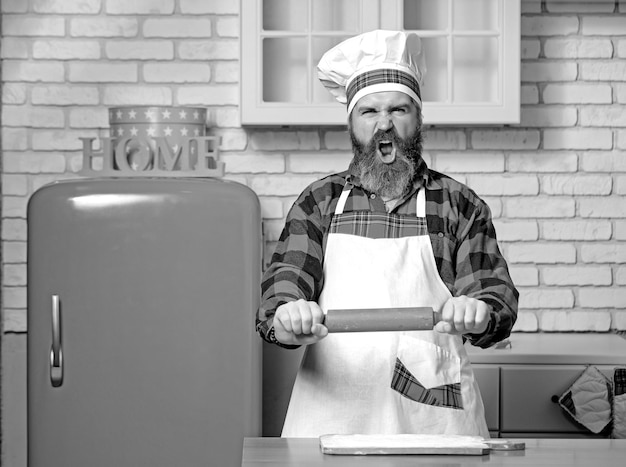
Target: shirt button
372,196
440,234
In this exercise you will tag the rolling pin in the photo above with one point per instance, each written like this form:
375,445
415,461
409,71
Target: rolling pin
381,319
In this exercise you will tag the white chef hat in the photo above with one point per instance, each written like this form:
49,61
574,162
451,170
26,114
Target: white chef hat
373,62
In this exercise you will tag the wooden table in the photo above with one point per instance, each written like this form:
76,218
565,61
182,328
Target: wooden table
305,452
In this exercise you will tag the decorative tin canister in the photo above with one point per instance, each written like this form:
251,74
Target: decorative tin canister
142,127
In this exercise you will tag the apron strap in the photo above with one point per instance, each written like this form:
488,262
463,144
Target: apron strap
421,203
341,204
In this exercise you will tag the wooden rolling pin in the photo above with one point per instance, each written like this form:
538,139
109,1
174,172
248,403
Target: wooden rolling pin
381,319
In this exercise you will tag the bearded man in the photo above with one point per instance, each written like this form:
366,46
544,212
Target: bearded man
387,233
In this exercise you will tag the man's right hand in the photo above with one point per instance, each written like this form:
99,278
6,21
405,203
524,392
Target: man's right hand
299,323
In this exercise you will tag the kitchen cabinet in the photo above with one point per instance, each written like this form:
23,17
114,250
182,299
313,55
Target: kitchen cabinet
520,385
472,51
530,398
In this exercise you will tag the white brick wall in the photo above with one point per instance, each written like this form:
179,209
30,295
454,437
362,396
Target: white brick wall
556,183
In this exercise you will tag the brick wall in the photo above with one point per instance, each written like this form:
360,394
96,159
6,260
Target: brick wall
556,182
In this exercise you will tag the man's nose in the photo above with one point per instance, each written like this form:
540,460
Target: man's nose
384,122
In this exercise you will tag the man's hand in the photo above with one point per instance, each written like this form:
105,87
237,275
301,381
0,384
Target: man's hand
463,315
299,323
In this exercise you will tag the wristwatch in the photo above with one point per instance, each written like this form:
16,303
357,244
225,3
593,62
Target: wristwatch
271,336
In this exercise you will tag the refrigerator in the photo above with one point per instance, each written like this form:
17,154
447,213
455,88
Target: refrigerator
141,349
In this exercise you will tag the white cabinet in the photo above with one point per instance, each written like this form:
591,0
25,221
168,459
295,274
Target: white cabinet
472,57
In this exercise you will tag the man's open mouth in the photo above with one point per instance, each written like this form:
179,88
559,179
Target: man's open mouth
386,152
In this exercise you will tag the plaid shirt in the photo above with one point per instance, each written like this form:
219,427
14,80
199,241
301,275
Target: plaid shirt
460,229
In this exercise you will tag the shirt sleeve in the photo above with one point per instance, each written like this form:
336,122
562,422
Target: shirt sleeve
295,270
482,273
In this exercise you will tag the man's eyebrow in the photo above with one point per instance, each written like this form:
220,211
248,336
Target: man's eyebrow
366,107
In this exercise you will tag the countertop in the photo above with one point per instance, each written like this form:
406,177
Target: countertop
283,452
555,349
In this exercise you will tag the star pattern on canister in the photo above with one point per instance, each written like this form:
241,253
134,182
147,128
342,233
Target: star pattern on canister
152,122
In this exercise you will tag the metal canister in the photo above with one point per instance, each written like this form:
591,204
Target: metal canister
144,127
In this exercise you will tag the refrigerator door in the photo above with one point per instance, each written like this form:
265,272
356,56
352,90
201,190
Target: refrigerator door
141,342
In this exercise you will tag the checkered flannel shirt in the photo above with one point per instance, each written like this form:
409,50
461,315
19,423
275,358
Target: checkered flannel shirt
461,232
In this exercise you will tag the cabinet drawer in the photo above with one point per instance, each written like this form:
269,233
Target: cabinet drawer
488,379
530,398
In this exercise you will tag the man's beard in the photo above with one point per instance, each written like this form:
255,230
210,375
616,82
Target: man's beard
387,180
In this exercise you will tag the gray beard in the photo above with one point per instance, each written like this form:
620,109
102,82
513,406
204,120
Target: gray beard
388,181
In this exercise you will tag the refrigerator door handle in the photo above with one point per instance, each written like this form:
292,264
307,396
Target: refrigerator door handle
56,352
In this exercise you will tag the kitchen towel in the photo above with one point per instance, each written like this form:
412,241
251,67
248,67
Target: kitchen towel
588,400
619,403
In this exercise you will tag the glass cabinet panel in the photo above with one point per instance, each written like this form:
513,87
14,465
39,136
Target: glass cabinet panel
424,15
435,88
296,57
476,15
335,15
289,55
295,35
284,15
476,72
462,43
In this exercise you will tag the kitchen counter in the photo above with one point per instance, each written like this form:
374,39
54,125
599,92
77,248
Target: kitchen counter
555,349
283,452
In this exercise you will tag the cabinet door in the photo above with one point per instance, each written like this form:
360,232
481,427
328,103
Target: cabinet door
472,50
472,57
529,398
488,379
281,43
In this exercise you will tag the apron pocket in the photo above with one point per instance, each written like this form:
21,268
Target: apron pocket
427,373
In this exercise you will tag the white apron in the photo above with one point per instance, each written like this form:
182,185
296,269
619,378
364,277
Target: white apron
383,382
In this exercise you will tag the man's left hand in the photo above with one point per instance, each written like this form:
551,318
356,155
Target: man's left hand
463,315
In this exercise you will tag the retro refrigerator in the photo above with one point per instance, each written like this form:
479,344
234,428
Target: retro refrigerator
141,342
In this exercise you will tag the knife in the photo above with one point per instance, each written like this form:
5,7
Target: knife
381,319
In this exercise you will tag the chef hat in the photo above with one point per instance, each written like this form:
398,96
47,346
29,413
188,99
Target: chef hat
375,61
